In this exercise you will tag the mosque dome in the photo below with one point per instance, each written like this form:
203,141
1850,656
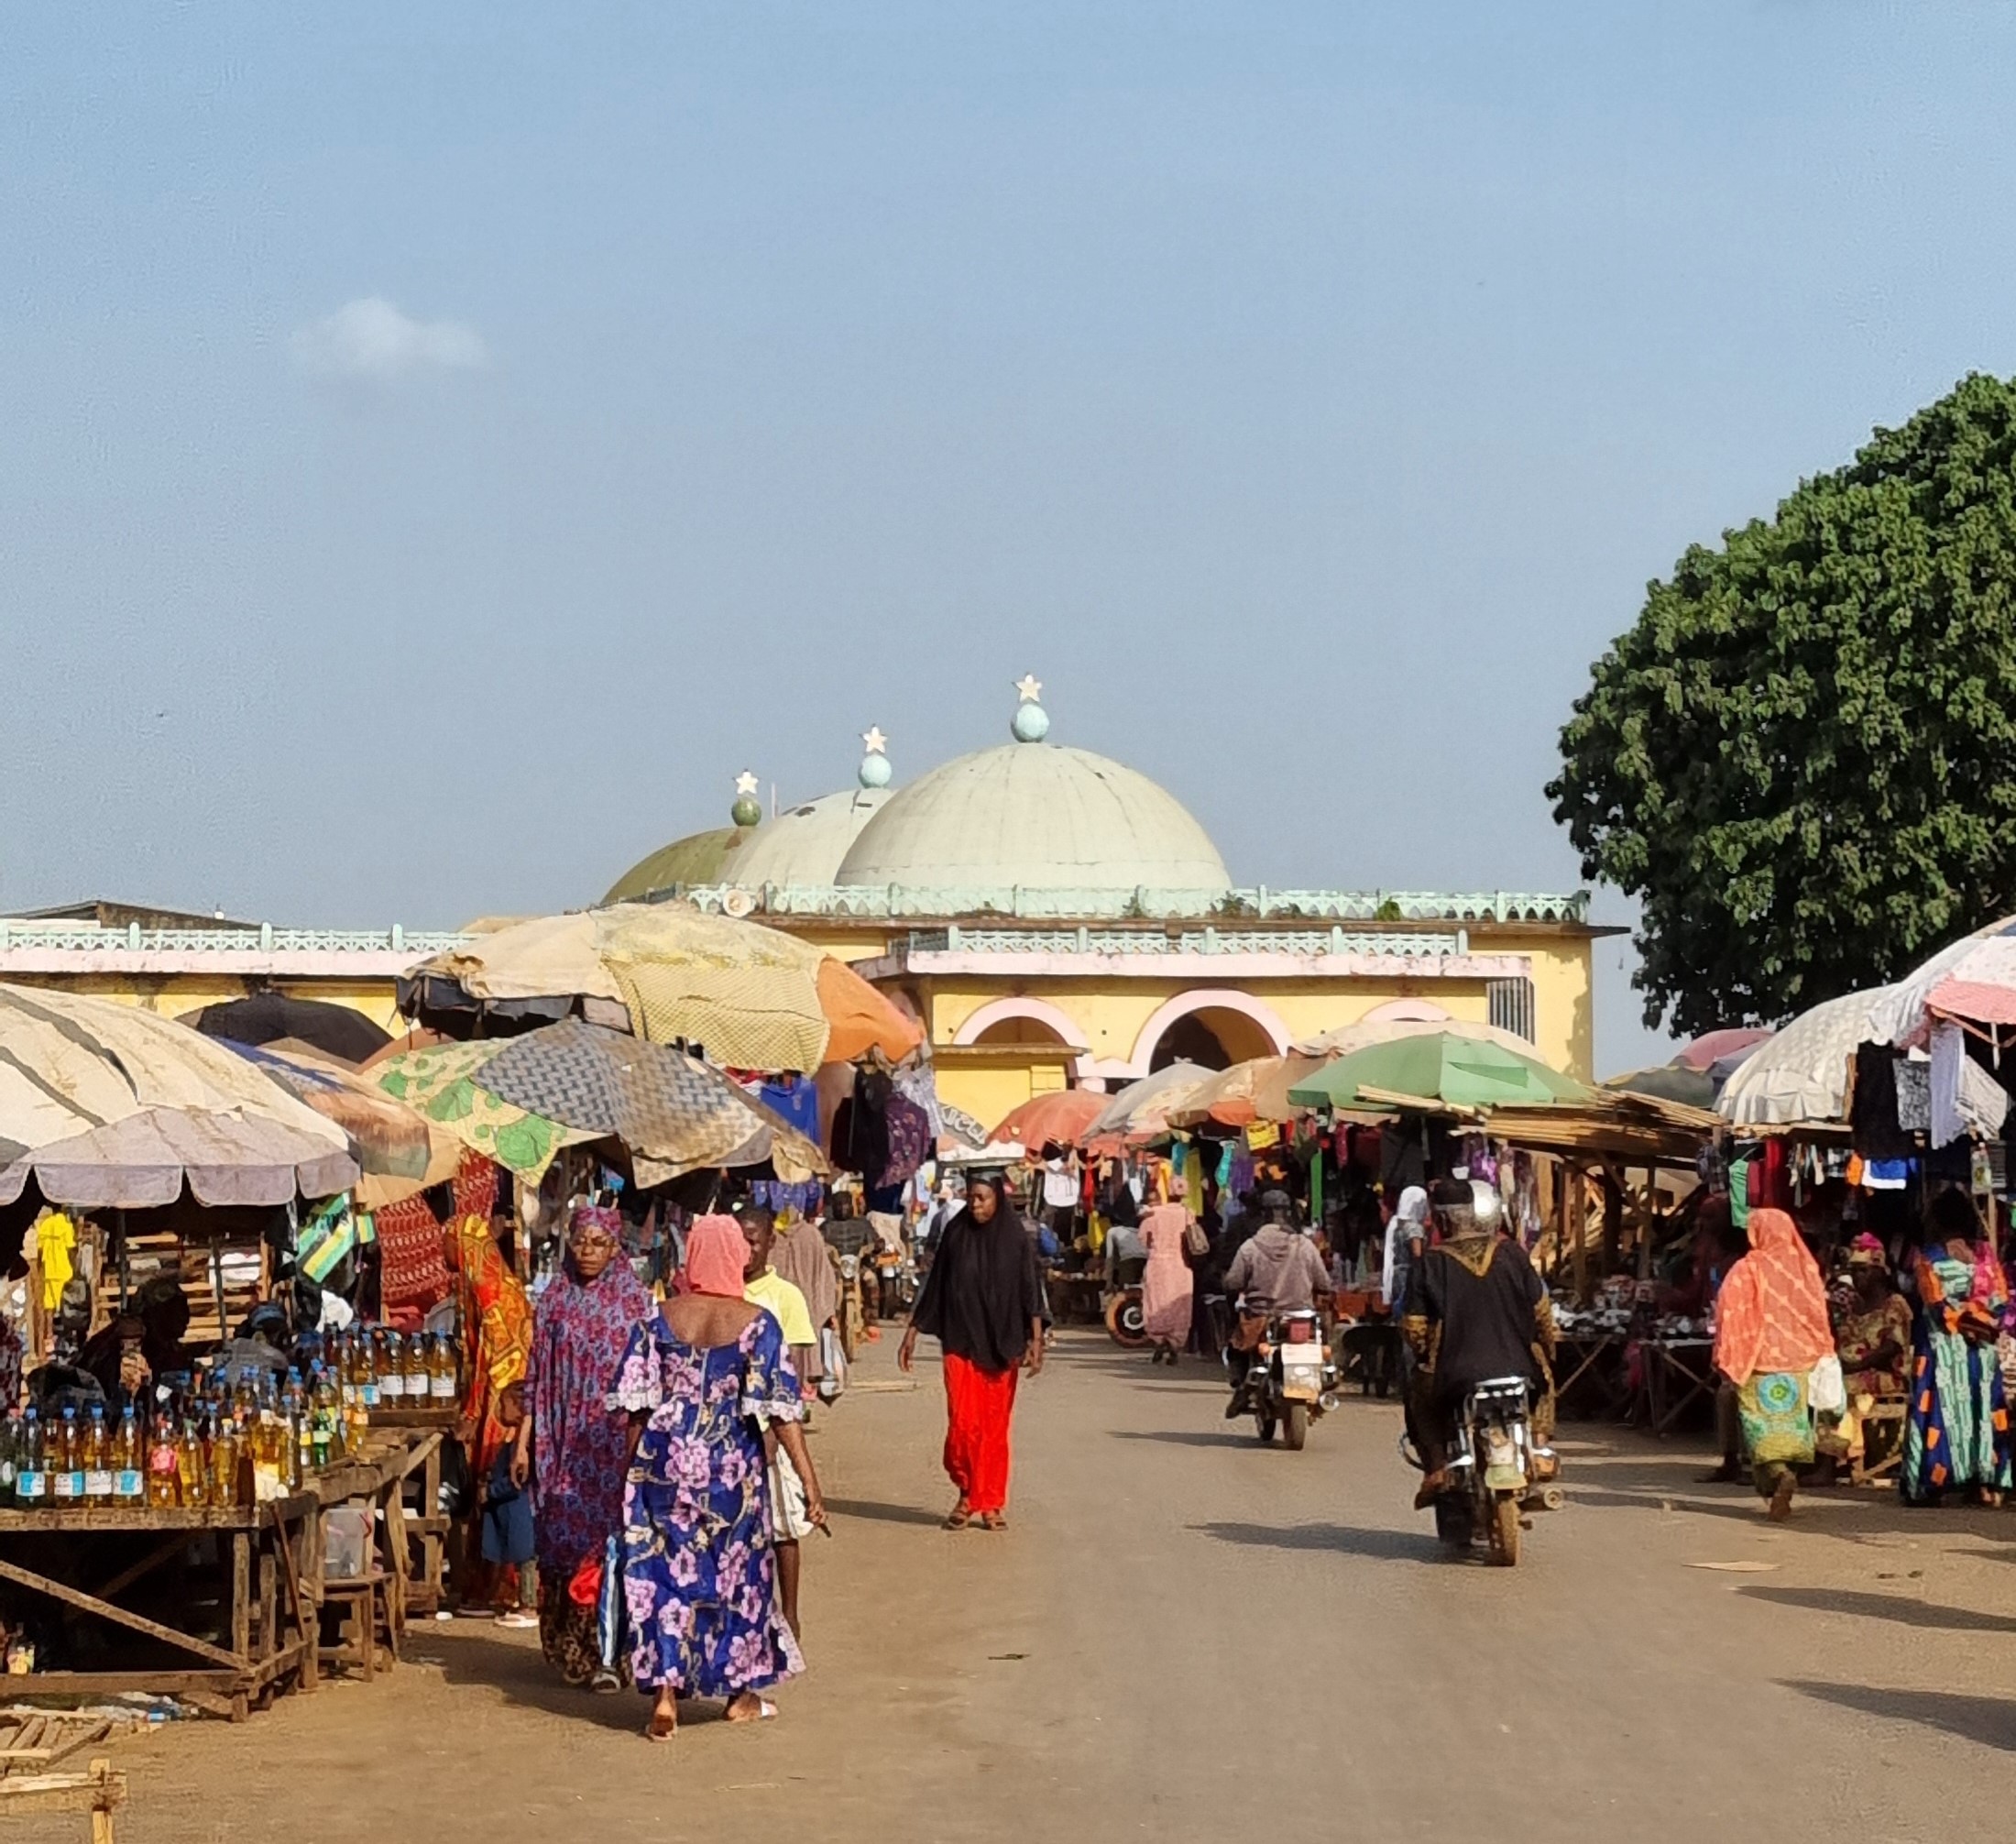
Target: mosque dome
1032,815
805,844
699,858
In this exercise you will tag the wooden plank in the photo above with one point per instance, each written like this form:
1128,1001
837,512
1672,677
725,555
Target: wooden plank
89,1517
241,1593
91,1604
165,1682
154,1558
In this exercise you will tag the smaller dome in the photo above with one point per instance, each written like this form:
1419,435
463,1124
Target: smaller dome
804,844
699,858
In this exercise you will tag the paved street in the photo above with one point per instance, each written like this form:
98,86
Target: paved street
1185,1634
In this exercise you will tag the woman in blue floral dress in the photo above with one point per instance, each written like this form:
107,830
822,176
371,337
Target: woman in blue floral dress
700,1574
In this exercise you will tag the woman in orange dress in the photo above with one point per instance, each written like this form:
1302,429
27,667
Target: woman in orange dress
497,1343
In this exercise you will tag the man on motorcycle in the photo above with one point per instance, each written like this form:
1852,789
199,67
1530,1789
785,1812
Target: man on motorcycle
1276,1269
1475,1309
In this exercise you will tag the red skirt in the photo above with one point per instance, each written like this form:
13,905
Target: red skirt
979,1405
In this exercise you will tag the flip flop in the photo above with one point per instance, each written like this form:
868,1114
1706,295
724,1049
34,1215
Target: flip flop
766,1711
661,1727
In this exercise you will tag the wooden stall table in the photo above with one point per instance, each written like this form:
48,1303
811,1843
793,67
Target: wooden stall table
1075,1299
266,1610
1592,1362
426,1527
1679,1372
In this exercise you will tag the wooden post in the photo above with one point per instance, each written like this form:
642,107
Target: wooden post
1575,1188
241,1612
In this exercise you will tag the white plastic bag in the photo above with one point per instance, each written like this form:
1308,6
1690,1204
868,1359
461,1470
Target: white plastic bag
1827,1389
833,1362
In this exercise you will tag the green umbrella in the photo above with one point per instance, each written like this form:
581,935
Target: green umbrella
1437,1065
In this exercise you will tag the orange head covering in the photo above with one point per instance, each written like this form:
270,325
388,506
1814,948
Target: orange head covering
715,1255
1771,1314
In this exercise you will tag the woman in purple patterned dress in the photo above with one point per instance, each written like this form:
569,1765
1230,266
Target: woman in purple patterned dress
572,1446
699,1576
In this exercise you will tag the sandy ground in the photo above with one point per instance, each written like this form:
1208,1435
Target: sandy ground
1185,1634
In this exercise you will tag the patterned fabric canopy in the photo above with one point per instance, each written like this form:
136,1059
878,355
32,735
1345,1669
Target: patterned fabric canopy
439,1083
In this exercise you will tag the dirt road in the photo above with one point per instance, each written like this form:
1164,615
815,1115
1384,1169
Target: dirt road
1183,1631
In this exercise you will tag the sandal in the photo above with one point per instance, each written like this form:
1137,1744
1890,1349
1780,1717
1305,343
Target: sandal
959,1516
766,1711
993,1520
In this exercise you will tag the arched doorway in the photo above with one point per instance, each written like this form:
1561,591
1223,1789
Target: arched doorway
1211,1030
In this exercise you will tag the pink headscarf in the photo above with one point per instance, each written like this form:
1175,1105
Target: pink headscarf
715,1255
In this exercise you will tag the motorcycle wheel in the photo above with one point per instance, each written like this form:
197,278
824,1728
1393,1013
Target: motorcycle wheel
1295,1430
1504,1533
1124,1324
1263,1425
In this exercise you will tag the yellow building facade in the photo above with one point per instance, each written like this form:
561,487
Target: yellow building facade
1052,917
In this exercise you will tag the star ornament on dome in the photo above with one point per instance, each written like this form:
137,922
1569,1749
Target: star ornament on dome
1029,687
875,741
746,783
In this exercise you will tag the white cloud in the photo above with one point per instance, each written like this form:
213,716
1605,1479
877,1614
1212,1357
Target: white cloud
371,338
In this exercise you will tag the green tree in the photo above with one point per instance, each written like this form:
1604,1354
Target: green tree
1802,760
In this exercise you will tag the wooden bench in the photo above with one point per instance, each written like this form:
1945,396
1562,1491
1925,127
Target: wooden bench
1889,1414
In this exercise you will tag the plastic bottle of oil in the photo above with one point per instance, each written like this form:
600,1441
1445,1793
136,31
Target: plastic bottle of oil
98,1459
164,1485
32,1474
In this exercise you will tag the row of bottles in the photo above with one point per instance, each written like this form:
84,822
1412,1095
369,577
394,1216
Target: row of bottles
376,1367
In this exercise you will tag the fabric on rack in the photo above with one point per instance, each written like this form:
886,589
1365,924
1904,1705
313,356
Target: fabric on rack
906,1140
918,1084
796,1100
1949,1056
1873,1112
1913,1096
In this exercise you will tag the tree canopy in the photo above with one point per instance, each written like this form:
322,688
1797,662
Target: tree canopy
1802,760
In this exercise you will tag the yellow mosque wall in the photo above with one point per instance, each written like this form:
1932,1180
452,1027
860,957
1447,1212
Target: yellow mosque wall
173,994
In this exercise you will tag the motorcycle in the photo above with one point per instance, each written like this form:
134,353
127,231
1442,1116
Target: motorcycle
1496,1472
852,1319
896,1282
1290,1380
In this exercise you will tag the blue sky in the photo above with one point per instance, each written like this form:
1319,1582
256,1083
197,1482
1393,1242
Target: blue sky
443,445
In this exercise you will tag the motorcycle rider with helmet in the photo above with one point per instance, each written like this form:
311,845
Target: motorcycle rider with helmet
1476,1309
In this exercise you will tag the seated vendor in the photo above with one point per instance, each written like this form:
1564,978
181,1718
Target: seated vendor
1872,1338
131,1351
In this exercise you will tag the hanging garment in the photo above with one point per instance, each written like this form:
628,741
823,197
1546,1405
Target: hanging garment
1949,1056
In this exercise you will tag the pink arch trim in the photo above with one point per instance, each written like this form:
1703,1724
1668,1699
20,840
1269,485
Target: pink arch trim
1039,1011
1206,999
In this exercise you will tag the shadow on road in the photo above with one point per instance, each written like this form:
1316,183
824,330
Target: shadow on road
1990,1721
518,1672
1905,1612
886,1514
1188,1437
1349,1540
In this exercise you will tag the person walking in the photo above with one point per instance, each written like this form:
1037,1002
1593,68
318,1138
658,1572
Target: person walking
1166,1281
983,1302
699,1573
497,1339
1956,1430
573,1448
1771,1329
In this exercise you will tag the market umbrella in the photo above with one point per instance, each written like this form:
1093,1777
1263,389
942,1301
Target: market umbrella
1257,1090
519,1100
1437,1066
1801,1073
754,998
1141,1109
400,1151
1061,1115
1974,979
1669,1082
1714,1047
1342,1040
264,1017
75,1072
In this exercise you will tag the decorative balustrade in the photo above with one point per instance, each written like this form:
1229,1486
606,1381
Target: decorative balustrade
87,938
1258,904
